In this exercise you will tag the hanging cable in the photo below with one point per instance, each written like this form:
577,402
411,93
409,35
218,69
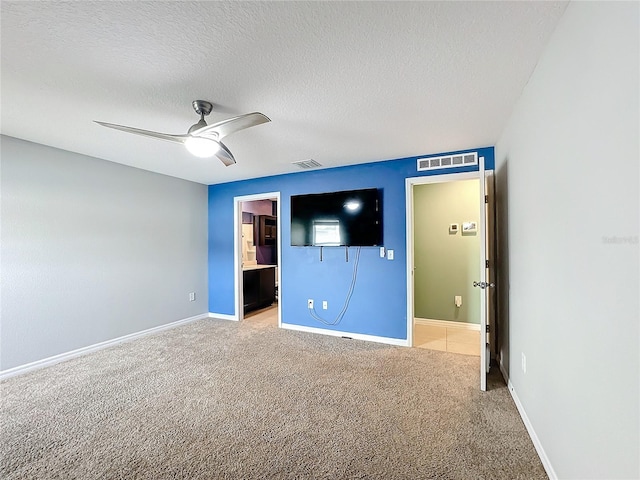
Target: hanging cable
338,319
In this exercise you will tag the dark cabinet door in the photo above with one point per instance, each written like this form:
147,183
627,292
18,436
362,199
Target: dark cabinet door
265,228
267,286
251,289
259,288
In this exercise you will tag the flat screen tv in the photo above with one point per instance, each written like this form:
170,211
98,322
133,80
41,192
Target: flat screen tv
349,218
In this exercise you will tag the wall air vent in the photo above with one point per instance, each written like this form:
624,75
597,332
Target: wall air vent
448,161
305,164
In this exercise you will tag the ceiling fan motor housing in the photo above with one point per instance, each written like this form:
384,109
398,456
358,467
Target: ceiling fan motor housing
202,107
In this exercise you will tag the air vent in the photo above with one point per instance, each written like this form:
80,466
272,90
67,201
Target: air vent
305,164
433,163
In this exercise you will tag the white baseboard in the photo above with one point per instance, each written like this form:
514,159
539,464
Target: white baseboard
356,336
447,324
47,362
527,423
223,316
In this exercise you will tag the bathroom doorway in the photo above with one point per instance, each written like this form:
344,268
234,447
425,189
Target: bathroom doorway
446,257
257,254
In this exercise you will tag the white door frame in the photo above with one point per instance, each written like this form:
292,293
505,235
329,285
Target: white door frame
409,184
237,250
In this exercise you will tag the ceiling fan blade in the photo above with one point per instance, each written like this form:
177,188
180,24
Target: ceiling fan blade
146,133
225,155
231,125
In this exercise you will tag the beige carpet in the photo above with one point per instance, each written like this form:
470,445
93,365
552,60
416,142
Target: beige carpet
215,399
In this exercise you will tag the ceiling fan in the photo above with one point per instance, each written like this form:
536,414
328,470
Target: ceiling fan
203,140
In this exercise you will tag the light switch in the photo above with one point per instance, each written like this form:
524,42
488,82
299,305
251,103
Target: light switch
389,254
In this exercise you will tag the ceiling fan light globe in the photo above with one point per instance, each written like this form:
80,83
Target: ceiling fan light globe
201,147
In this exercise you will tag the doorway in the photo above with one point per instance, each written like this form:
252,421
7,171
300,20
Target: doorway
257,258
460,291
446,253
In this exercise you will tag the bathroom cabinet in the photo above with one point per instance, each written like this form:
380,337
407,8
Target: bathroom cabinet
265,235
259,286
265,228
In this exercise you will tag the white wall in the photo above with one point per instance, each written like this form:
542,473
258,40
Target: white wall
93,250
572,152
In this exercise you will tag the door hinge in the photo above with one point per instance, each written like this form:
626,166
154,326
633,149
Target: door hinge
486,264
486,199
487,328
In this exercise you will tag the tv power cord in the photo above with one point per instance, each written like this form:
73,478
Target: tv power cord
338,319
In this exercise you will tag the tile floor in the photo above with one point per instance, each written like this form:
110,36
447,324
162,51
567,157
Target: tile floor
264,317
454,340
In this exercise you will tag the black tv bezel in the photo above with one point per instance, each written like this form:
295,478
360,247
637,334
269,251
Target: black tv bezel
378,217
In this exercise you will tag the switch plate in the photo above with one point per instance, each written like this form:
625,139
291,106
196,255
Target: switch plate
382,252
192,296
389,254
325,304
310,303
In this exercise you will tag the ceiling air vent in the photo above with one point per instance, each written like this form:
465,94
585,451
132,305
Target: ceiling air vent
305,164
448,161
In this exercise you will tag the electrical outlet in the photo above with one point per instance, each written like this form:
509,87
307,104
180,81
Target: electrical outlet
382,252
325,304
192,297
310,303
389,254
524,363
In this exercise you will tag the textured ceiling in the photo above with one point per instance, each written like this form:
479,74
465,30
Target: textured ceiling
343,82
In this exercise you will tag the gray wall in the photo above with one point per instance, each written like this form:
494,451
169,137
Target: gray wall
571,228
93,250
446,264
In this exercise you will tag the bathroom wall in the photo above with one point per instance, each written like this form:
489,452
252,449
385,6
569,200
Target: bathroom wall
258,207
248,247
446,264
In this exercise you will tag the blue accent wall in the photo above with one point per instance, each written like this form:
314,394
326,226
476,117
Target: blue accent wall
378,304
